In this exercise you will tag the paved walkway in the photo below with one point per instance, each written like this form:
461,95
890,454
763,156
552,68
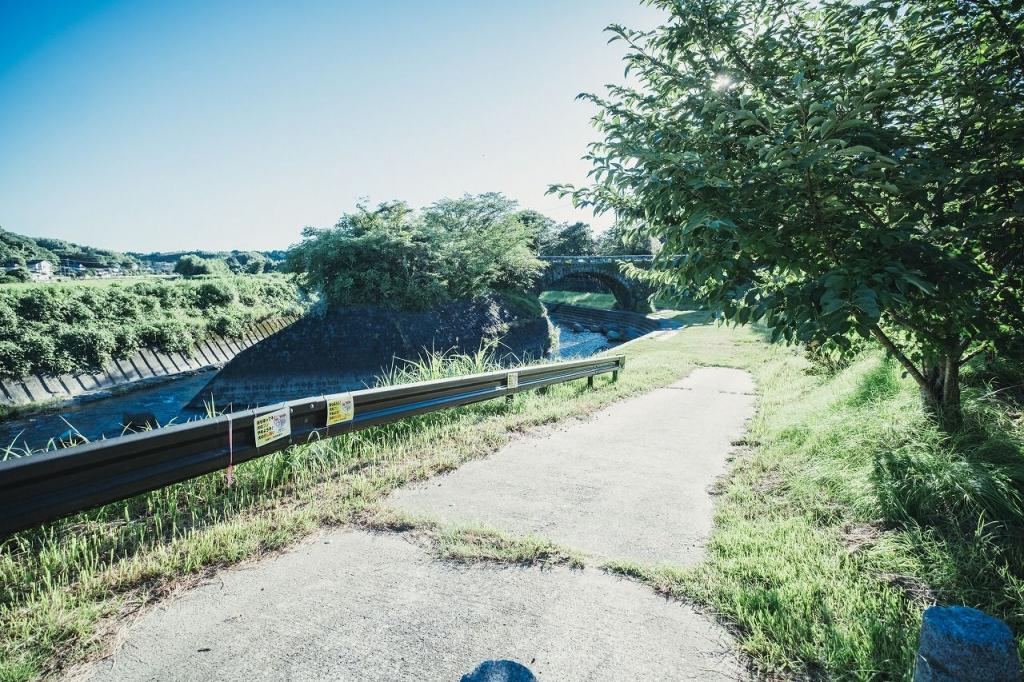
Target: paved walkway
631,482
376,607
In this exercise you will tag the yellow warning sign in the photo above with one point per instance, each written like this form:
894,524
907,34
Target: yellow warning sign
340,408
272,426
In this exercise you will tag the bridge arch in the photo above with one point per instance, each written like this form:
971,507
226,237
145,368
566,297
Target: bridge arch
629,294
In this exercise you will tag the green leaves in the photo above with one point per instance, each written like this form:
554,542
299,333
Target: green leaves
862,170
393,256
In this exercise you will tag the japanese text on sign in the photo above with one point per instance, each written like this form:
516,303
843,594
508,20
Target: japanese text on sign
340,408
272,426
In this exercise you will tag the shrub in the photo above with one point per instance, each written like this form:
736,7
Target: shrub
13,361
170,335
43,354
88,347
69,328
195,266
215,294
8,320
229,325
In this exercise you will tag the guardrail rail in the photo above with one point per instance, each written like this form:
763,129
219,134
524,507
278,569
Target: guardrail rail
50,485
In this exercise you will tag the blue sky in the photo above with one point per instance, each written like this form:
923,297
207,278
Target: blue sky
232,124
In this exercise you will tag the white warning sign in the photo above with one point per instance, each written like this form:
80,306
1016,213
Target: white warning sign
340,408
272,426
513,379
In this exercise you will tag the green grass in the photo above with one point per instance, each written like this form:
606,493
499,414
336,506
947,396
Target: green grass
849,514
580,298
844,516
84,282
63,585
472,543
668,306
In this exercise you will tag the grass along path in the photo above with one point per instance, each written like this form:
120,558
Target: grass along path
64,586
849,514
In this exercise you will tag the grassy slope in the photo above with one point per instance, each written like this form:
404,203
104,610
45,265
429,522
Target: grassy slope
585,299
85,282
811,561
822,559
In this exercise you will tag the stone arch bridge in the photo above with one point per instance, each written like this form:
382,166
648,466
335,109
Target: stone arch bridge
629,293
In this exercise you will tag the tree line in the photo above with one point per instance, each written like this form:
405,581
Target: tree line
393,255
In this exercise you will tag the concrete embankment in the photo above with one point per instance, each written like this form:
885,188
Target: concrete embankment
343,349
627,325
145,367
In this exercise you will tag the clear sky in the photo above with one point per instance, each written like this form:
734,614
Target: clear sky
224,124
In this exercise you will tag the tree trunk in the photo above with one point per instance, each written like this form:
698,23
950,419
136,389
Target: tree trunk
939,381
940,391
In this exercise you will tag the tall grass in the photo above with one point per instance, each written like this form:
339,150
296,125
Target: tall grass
850,514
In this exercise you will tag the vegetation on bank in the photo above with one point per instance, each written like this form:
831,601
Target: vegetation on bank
392,255
67,328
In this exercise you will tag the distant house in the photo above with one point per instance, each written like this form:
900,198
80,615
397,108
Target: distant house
160,267
41,270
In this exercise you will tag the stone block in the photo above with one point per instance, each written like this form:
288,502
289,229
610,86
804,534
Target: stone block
966,645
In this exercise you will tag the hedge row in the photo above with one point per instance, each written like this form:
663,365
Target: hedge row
62,329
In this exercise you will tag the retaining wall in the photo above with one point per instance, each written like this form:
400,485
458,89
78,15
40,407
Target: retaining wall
634,324
146,366
343,349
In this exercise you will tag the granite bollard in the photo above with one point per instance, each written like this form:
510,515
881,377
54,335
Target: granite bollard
964,644
500,671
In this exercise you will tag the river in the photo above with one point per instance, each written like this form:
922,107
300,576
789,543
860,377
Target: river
103,417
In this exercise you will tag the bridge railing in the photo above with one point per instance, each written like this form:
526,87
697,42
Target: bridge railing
597,259
47,486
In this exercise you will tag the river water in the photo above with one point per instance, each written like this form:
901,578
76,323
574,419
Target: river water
103,417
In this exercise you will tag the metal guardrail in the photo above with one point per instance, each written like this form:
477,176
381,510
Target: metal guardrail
49,485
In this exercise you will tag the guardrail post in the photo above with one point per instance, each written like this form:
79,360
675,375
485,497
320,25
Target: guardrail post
590,381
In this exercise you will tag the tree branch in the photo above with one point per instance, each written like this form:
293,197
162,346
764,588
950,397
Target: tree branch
880,336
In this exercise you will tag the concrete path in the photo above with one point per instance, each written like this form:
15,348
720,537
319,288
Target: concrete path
628,483
376,607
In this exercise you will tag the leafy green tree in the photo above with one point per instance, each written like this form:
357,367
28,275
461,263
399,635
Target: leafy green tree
482,243
543,228
574,239
393,256
617,240
831,169
374,256
195,266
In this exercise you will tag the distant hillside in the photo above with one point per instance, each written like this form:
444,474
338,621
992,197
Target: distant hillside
236,261
19,249
276,255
